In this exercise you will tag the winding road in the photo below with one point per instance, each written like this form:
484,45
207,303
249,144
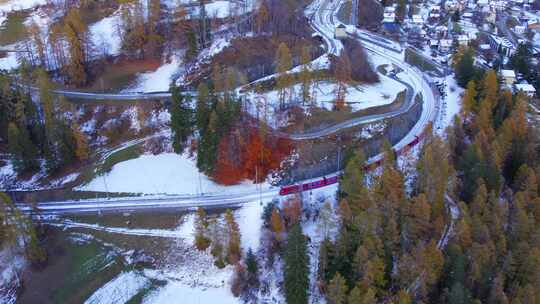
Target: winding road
323,19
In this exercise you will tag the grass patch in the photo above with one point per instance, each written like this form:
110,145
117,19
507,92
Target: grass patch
139,297
321,118
12,29
118,157
97,11
382,69
85,281
418,61
120,75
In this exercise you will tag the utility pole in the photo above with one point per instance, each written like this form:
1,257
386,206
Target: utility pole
354,13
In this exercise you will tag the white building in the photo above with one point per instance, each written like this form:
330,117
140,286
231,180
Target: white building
445,45
519,29
341,32
508,77
526,88
417,20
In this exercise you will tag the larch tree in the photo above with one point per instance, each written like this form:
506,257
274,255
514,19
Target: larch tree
305,75
81,142
342,74
34,31
336,292
234,250
277,225
155,40
283,65
262,17
202,241
76,33
469,98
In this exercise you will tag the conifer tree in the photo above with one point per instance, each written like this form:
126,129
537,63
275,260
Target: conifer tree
353,184
337,290
202,109
201,230
465,70
305,75
283,65
277,225
81,143
234,252
342,74
193,49
296,267
76,33
181,120
252,268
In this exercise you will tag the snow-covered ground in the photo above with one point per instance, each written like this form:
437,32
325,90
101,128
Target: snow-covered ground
359,97
119,290
11,265
105,35
9,62
166,173
188,274
451,105
17,5
158,80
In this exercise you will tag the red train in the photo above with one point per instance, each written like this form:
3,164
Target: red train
286,190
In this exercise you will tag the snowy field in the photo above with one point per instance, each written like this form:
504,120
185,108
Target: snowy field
158,80
358,97
17,5
167,173
188,274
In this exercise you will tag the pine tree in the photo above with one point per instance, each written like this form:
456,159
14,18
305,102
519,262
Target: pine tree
234,252
28,154
296,272
208,146
252,268
16,148
181,120
465,70
337,290
193,49
201,230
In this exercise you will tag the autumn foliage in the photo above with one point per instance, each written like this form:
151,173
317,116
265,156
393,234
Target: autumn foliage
246,154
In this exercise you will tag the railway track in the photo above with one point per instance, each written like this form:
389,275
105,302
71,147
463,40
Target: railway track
324,22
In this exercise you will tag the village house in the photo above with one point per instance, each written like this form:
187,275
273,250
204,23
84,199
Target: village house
508,77
526,88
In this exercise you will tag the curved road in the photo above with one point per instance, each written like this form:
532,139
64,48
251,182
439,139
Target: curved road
323,21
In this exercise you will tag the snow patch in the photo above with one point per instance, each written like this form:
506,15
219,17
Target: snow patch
120,290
